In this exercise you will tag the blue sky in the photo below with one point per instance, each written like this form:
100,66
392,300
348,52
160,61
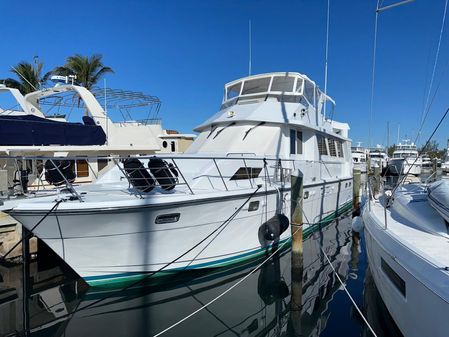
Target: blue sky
185,51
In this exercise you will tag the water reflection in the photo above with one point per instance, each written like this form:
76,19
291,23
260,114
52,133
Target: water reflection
60,304
376,311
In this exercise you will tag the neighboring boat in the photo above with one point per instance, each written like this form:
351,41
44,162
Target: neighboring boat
226,200
405,159
407,243
379,158
426,161
445,162
359,158
38,125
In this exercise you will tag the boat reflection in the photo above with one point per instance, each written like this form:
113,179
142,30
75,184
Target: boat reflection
59,303
376,312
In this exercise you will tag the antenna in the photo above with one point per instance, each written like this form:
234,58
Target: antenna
106,112
325,63
249,41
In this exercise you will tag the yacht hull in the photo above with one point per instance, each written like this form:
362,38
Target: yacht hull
106,246
406,166
401,276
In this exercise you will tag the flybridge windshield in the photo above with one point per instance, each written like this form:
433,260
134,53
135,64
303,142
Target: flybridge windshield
405,155
276,84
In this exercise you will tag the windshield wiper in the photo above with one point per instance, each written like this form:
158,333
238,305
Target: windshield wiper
249,130
224,127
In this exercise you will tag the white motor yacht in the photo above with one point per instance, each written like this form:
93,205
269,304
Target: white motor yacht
359,158
379,157
227,199
405,159
47,123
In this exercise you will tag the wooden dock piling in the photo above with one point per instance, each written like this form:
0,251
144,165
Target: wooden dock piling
297,251
357,178
376,187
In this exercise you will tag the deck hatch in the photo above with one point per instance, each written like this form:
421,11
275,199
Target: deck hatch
167,218
394,277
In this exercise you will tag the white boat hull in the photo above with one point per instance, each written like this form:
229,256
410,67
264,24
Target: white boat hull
406,166
401,276
109,245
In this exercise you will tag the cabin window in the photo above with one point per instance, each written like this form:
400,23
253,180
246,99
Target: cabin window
244,173
398,282
253,206
82,169
102,163
173,146
282,83
164,144
332,148
322,148
340,148
233,90
299,82
167,218
255,86
295,141
309,90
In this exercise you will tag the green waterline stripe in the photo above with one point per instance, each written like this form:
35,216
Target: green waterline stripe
105,280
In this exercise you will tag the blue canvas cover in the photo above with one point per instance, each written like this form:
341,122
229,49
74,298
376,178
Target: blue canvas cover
33,130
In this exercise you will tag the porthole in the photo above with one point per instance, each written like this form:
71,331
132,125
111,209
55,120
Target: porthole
253,206
167,218
164,144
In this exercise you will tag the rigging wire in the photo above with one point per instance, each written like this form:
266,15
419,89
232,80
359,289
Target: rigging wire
227,290
347,293
420,152
427,105
373,73
326,58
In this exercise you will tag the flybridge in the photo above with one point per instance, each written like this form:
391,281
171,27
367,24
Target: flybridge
285,86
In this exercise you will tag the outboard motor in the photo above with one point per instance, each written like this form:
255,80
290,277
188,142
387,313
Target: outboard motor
56,171
274,227
138,175
165,173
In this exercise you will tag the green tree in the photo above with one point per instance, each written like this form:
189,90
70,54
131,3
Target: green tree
88,70
29,77
390,150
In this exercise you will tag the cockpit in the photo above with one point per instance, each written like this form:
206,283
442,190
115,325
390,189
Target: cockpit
284,87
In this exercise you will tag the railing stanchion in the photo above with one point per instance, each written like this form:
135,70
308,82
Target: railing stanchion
248,173
221,176
127,178
68,184
185,181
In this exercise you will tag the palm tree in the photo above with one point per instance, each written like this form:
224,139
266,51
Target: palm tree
88,70
29,77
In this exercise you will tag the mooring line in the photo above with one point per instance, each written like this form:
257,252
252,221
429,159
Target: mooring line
227,290
347,292
57,202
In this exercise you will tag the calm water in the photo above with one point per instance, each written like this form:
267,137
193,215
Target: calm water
58,303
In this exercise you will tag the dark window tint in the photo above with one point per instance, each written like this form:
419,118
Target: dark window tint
394,277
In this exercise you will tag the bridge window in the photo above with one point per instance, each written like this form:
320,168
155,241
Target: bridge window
299,82
309,89
282,83
256,85
233,90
